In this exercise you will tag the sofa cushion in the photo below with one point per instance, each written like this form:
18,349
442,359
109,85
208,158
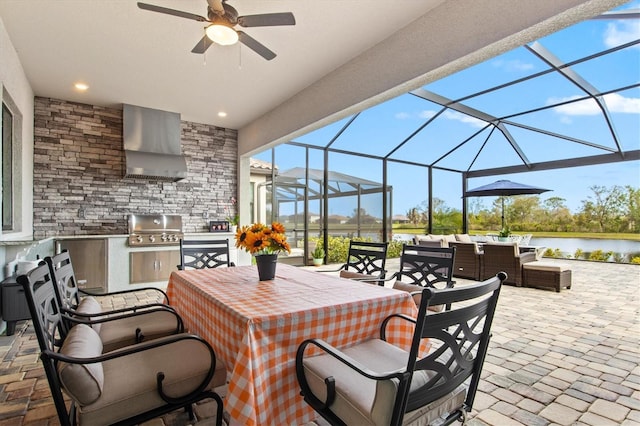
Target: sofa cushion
463,238
83,382
418,238
450,238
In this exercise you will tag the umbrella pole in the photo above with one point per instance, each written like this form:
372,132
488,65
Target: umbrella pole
503,212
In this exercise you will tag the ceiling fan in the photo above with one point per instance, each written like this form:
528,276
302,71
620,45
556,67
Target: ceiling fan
221,19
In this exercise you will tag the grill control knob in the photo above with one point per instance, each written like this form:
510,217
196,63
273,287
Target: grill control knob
165,238
152,238
139,238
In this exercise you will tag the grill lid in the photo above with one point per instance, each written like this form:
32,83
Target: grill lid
154,223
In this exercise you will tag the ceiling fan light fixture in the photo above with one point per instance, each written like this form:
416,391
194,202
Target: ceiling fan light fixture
222,34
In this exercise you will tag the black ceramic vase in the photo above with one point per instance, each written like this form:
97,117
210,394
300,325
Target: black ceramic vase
266,264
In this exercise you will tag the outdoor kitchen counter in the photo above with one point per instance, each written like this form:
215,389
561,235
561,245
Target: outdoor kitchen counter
119,251
120,258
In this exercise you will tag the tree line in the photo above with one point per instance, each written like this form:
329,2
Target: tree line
614,209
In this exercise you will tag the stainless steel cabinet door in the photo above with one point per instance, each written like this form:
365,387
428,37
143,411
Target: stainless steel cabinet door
152,266
90,259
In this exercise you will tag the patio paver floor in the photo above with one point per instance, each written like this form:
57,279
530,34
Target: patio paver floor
568,358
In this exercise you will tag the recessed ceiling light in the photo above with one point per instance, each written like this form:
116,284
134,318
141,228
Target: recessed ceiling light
81,86
222,114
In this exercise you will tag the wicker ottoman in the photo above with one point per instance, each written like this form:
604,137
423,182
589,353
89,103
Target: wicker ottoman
546,275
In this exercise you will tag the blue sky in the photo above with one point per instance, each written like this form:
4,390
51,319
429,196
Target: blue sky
380,129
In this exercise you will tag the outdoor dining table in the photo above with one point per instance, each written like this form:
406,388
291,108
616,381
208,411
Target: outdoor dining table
255,328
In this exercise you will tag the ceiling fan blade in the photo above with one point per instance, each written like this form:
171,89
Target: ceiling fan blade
202,45
256,46
267,20
166,10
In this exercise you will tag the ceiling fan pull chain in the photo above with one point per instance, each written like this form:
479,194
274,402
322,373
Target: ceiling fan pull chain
239,56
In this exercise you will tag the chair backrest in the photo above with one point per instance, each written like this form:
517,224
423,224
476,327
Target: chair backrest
367,258
459,339
202,254
427,266
49,327
501,250
466,248
66,287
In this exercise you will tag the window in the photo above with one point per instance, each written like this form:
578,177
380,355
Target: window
7,169
11,165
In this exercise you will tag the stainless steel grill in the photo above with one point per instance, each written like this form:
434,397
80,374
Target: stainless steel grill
154,230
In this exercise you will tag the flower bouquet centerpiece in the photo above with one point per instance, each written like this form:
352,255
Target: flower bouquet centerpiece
264,243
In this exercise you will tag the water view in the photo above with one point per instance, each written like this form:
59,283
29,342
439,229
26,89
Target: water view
568,246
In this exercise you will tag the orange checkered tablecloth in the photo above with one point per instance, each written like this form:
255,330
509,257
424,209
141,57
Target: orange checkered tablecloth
255,327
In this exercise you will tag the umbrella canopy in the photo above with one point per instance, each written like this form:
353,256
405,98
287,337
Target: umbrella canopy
504,188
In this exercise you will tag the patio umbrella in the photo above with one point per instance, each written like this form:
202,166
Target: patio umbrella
504,188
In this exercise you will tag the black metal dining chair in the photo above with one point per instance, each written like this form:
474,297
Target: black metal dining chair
127,386
377,383
365,262
201,254
116,327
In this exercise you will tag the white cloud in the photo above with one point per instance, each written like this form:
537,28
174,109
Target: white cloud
454,115
426,113
403,115
614,101
512,65
621,32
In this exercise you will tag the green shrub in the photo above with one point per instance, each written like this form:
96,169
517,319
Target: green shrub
338,248
600,256
635,260
578,254
552,253
395,249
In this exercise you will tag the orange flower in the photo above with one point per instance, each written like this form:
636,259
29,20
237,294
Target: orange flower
259,238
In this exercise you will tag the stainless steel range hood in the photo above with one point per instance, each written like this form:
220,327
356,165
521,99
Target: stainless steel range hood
152,144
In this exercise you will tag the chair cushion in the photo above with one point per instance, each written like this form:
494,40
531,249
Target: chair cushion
358,276
411,288
442,407
152,324
360,400
89,306
546,266
130,381
83,382
417,297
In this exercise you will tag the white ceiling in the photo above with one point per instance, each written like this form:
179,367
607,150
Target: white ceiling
341,54
129,55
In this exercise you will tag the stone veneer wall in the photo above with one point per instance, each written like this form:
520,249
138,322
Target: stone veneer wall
78,184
